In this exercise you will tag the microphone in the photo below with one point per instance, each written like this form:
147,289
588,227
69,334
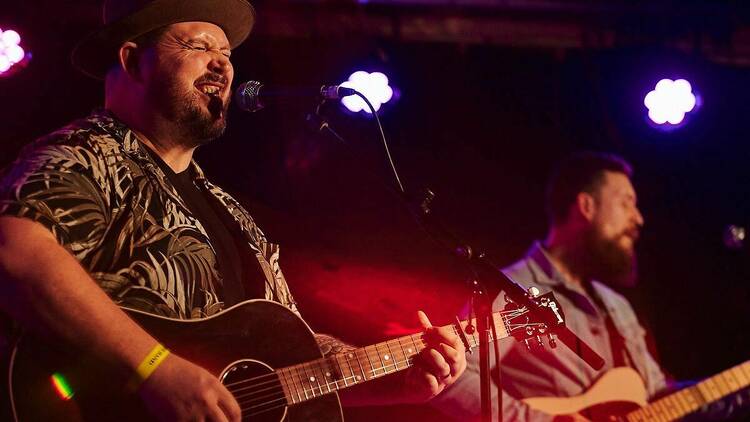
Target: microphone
252,96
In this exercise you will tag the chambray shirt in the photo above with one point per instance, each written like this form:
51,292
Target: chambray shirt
555,372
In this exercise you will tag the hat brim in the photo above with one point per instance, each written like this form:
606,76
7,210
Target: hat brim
94,55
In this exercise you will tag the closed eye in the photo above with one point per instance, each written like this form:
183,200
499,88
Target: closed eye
205,47
225,52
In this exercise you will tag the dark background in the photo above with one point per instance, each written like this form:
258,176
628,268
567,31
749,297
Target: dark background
481,123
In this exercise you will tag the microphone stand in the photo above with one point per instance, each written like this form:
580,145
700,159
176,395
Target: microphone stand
485,274
481,302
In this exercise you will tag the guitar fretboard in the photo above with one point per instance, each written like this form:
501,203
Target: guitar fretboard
688,400
323,376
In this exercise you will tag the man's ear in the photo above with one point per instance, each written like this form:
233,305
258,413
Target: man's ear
128,58
586,205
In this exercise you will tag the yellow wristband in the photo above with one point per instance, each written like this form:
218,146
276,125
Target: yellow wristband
149,365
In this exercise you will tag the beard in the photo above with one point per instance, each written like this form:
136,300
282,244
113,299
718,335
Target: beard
608,261
196,124
203,126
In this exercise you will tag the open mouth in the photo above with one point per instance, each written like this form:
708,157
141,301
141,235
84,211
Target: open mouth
216,105
633,235
209,89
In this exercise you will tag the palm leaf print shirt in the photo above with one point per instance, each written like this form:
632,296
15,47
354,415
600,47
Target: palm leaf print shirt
95,187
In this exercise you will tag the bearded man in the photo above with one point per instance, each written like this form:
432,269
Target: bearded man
594,224
111,212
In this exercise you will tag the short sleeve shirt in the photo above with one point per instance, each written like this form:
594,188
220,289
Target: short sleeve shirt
95,187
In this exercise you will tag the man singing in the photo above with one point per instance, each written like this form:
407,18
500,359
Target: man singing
594,224
111,211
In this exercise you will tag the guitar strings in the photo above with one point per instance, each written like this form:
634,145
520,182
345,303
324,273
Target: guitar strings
246,401
253,397
304,368
368,354
253,410
249,401
274,377
312,392
277,380
327,385
361,354
248,406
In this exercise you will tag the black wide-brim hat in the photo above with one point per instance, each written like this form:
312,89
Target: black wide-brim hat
125,20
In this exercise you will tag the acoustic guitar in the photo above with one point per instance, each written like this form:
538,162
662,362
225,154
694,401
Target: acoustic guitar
620,395
262,352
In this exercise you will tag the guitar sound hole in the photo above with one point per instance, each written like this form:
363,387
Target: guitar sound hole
257,389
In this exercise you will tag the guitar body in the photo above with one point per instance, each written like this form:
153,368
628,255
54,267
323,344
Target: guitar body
618,392
243,342
621,395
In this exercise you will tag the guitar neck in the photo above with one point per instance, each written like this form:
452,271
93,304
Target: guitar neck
313,379
688,400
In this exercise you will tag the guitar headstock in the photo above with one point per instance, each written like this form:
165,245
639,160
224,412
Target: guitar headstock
539,317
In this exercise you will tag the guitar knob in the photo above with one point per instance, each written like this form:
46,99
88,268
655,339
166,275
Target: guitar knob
534,291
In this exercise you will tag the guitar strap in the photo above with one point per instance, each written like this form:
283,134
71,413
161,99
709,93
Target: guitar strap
620,353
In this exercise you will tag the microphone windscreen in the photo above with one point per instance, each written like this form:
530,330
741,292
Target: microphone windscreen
247,96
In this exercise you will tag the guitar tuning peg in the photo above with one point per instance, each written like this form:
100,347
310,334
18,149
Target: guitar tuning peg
552,341
476,287
534,291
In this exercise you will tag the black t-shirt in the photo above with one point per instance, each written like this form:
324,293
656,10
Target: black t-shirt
221,228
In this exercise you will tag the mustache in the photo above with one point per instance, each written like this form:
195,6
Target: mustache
214,78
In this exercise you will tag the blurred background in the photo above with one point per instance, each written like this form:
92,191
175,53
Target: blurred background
488,95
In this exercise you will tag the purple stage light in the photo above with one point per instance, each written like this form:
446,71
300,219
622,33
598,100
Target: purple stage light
11,52
670,101
373,85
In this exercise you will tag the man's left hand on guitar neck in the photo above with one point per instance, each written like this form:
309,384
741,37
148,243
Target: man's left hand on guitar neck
436,367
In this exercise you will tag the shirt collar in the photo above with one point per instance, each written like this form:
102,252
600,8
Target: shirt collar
553,279
550,274
121,133
129,140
